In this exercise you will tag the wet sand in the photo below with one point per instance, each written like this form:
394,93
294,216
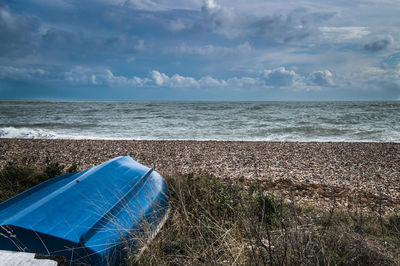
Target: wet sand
350,175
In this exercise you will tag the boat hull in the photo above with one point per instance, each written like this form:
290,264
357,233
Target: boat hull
94,216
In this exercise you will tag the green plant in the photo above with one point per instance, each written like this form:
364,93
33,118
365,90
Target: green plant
16,178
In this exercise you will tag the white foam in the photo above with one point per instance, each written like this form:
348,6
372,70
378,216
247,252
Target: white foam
26,133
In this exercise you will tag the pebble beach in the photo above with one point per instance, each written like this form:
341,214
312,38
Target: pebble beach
323,174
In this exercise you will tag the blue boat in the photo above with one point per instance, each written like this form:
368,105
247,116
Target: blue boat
95,216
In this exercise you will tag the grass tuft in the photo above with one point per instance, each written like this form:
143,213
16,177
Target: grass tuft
216,222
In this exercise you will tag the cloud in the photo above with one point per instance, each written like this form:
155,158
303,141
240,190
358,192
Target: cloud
124,44
25,74
392,61
80,42
111,80
26,36
297,25
79,76
176,25
55,3
209,81
17,32
379,45
276,78
103,77
370,79
151,5
211,50
142,4
321,78
243,82
154,79
280,77
182,82
382,77
385,81
220,19
176,81
340,34
61,37
159,78
84,76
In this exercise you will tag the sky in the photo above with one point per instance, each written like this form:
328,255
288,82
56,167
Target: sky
222,50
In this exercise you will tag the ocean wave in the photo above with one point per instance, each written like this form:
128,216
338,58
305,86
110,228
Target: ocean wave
26,133
33,133
341,121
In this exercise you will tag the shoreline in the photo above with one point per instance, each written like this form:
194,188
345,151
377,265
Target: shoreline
362,175
204,140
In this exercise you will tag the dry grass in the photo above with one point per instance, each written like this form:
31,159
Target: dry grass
217,222
213,222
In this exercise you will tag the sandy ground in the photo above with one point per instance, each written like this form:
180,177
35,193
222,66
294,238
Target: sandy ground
351,175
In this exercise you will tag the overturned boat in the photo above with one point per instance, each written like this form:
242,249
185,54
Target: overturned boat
95,216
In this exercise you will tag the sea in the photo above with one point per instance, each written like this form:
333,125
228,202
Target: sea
232,121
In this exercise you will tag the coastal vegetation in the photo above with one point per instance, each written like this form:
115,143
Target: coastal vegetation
213,221
16,177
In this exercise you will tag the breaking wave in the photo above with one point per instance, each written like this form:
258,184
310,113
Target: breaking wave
26,133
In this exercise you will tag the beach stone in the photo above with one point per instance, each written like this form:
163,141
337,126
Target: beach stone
361,175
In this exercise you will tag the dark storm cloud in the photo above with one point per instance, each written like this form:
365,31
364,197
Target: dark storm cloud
70,39
297,25
57,36
78,46
379,45
17,32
